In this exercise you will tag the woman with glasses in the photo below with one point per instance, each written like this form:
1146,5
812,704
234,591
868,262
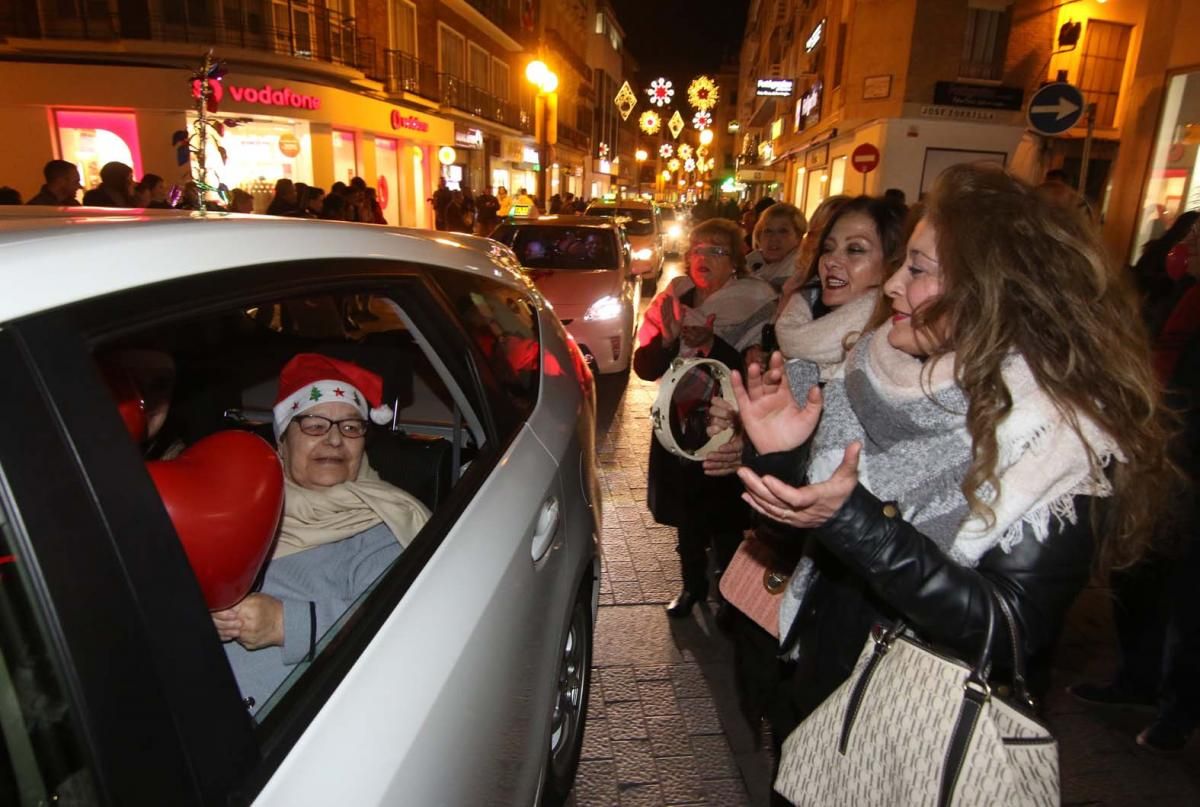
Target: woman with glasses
718,312
342,525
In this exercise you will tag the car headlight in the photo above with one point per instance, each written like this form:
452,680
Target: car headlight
643,254
607,307
675,231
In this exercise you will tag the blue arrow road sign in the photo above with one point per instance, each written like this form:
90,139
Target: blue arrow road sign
1054,108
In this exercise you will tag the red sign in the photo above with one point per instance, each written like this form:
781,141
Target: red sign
865,158
270,96
400,121
289,144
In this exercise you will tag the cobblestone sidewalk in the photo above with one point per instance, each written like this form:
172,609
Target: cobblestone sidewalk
663,724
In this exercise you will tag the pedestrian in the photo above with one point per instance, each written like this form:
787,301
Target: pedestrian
487,209
717,311
151,192
62,185
1003,407
556,204
240,201
9,196
440,201
805,279
283,203
777,237
115,188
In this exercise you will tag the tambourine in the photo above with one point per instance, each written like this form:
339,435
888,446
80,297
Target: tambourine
680,423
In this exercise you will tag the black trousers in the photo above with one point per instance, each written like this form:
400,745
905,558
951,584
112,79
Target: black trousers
692,545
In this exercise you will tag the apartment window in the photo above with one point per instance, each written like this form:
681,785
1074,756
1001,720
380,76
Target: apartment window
293,27
600,23
341,29
479,62
984,43
500,79
1104,48
404,27
452,51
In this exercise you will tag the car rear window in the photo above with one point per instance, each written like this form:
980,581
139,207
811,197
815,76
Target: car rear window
638,220
561,247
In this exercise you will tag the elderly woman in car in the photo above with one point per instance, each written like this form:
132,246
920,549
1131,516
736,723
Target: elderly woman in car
342,525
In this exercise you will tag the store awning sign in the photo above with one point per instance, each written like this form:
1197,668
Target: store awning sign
775,87
411,122
267,95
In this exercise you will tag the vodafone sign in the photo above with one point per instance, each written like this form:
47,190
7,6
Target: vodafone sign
865,158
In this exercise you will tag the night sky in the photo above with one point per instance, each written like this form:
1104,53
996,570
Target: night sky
681,38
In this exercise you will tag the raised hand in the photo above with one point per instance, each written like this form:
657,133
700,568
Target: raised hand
770,416
807,506
670,322
699,336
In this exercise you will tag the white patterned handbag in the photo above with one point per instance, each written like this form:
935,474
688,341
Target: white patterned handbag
913,727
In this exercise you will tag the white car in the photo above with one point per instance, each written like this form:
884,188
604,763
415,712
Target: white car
582,266
641,224
461,675
672,222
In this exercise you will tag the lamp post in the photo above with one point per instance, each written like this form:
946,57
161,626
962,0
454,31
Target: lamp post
640,156
545,120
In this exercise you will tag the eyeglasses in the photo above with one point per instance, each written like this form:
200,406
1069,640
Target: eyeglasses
318,426
707,251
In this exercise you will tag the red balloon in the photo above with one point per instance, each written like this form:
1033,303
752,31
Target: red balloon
225,496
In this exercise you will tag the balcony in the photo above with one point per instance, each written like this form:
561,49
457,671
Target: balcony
407,74
288,29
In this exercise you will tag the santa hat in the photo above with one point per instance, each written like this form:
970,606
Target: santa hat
310,379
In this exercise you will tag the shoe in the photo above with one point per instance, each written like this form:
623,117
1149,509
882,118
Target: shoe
682,605
1109,695
1164,737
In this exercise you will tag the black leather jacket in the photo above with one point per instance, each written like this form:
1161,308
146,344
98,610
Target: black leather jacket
874,567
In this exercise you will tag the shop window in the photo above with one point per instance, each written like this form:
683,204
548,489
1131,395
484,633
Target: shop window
1101,65
245,17
91,139
451,51
258,153
818,190
404,26
798,190
345,156
984,44
188,13
837,176
1173,181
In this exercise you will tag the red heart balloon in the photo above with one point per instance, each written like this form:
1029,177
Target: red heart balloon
225,496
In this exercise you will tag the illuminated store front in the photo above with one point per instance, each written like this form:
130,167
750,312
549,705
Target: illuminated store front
1172,181
90,139
260,152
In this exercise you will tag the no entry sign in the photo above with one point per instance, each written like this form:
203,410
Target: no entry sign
865,158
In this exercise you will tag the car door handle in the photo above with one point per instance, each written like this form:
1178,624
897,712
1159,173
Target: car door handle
547,527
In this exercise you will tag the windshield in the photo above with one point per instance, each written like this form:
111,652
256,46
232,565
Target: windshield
638,220
560,247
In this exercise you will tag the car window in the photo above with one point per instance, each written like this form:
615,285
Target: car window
200,376
503,325
637,220
41,758
541,247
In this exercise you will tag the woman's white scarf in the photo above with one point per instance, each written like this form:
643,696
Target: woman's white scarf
911,420
821,341
741,307
773,272
315,517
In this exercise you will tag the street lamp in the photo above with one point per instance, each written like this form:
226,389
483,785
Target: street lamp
545,120
640,156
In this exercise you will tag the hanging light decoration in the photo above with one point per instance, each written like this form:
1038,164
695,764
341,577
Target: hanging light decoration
689,165
650,122
666,151
673,164
625,100
684,151
676,124
661,92
702,120
703,93
602,151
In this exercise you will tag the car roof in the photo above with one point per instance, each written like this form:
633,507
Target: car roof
51,257
599,222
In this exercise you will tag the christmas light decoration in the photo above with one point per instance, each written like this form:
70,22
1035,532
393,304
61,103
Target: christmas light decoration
689,165
650,122
666,150
702,120
676,124
673,164
684,151
625,100
661,92
703,93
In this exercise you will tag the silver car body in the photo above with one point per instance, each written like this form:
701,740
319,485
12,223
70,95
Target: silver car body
451,701
647,246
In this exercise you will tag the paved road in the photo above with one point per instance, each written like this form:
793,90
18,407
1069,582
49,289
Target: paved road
663,725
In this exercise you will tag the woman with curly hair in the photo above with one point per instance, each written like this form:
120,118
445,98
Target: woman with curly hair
998,427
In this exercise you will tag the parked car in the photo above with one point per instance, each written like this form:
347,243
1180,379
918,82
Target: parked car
642,228
673,226
460,677
582,266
